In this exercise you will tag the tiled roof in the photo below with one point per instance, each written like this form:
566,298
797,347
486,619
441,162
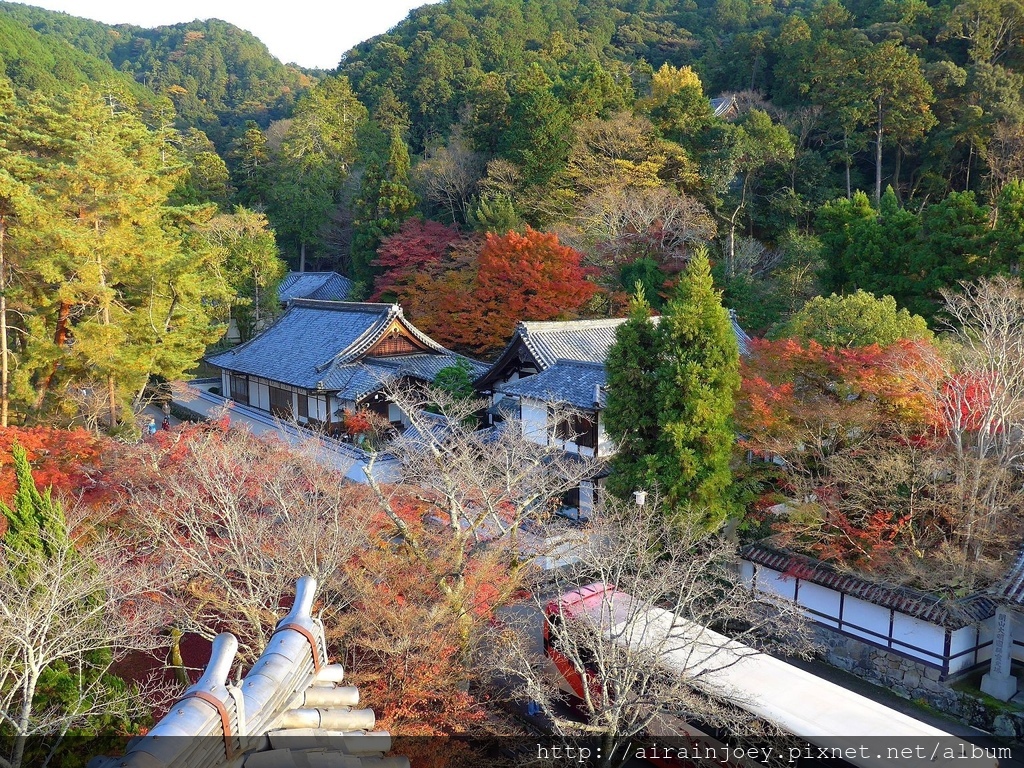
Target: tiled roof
722,105
321,345
580,340
1011,588
326,286
742,339
567,381
353,381
951,614
586,340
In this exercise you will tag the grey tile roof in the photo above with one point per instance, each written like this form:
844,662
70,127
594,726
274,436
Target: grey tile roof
586,340
326,286
581,340
321,345
722,105
1011,587
567,381
742,339
953,613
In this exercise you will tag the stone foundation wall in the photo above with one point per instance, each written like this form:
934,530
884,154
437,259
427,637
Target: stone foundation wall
912,680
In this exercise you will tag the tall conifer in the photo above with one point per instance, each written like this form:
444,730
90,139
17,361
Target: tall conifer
631,414
698,377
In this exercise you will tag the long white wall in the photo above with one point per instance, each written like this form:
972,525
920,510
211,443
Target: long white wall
892,630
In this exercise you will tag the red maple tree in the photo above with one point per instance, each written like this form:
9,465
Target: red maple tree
66,460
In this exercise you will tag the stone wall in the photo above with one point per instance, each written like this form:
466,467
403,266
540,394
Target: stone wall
912,680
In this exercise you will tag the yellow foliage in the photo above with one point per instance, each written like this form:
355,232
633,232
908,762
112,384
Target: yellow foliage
670,80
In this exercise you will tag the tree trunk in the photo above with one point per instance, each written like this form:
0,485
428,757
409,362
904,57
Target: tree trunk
878,157
105,318
896,172
970,159
302,257
846,154
60,338
5,399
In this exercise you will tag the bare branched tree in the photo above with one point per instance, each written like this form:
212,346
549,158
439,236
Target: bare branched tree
448,175
627,690
1004,156
238,520
636,220
70,611
477,490
983,403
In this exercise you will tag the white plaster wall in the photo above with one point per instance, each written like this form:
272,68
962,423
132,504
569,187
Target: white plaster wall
395,414
605,445
961,640
922,634
535,421
586,498
867,615
773,582
821,599
225,384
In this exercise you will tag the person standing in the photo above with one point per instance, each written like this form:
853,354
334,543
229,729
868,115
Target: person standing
151,427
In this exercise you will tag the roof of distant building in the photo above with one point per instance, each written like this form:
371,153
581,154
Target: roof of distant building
325,286
572,382
723,105
949,613
544,343
324,345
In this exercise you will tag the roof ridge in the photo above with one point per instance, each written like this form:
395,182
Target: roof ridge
571,361
345,306
539,326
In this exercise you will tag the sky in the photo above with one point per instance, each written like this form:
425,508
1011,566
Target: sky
313,33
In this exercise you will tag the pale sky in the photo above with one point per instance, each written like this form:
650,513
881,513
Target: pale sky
313,33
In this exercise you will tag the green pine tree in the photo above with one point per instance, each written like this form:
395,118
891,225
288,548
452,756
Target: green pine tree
698,377
631,414
385,201
35,522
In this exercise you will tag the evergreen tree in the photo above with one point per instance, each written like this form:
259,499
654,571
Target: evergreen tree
385,201
698,377
35,522
631,414
115,269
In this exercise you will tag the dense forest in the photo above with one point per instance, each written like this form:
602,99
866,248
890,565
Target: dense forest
815,147
848,179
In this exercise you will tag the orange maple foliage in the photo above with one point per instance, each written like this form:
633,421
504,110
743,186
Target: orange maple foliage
469,295
403,645
66,460
792,391
804,405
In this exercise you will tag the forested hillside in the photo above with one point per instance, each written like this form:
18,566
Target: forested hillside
567,106
587,125
217,75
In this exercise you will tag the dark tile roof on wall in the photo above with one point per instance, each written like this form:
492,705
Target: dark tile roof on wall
572,382
325,286
322,345
948,613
